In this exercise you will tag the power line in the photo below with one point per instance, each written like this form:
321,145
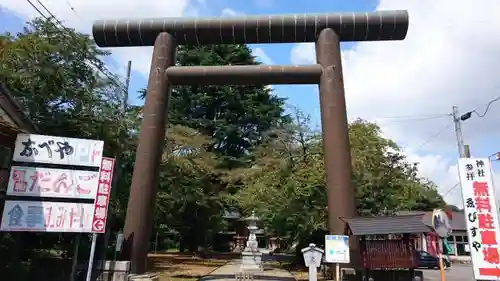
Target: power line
409,119
434,136
487,108
36,8
416,117
451,189
467,115
73,9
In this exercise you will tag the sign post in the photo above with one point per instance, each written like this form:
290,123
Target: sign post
101,206
337,251
312,258
481,216
91,257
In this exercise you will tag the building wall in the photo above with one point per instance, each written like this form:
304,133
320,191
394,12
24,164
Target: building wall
458,241
4,117
8,133
7,142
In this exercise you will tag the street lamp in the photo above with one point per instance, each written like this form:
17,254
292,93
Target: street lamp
466,116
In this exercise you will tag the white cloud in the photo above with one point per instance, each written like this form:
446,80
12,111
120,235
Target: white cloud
303,53
262,56
231,13
87,11
450,57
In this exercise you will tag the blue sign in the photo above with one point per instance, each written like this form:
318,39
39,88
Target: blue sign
16,215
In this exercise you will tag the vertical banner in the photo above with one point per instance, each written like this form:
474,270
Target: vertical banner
481,215
102,197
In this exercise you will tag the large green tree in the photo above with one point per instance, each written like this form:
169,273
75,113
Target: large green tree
234,117
191,194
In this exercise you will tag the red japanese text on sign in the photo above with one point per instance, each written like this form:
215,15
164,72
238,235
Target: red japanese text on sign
478,194
46,182
486,223
102,196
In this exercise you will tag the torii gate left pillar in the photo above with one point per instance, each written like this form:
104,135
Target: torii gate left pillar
326,30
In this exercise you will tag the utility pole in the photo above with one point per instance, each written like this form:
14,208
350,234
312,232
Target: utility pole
127,83
117,171
458,131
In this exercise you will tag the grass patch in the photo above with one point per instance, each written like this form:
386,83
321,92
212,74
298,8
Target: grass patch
300,272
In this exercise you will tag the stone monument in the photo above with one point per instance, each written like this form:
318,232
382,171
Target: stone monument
251,257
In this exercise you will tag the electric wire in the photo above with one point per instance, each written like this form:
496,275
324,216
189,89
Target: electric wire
481,115
407,119
416,117
72,9
451,189
431,138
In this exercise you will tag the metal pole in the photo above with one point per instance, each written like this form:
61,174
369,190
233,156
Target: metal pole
91,257
156,242
139,220
441,261
117,170
127,85
466,151
338,169
75,256
458,132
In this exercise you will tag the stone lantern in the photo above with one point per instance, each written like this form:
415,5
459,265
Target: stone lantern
251,257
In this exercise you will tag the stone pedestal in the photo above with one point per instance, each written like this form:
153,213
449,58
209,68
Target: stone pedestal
251,261
107,270
143,277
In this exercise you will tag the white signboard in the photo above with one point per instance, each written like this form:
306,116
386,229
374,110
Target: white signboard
58,150
337,249
45,182
481,217
38,216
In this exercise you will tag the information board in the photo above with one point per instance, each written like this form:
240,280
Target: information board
337,249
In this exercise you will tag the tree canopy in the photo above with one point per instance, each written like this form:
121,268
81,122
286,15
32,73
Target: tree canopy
230,147
287,187
234,117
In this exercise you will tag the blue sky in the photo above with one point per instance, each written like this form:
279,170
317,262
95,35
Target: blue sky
302,96
435,68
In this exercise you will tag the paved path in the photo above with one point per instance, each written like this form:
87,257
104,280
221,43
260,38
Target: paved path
227,272
457,272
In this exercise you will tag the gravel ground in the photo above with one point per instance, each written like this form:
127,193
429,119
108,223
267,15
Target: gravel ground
458,272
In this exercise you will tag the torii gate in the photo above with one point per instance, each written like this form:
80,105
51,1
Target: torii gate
326,30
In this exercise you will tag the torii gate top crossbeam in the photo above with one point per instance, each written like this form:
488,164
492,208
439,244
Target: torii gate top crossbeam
374,26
